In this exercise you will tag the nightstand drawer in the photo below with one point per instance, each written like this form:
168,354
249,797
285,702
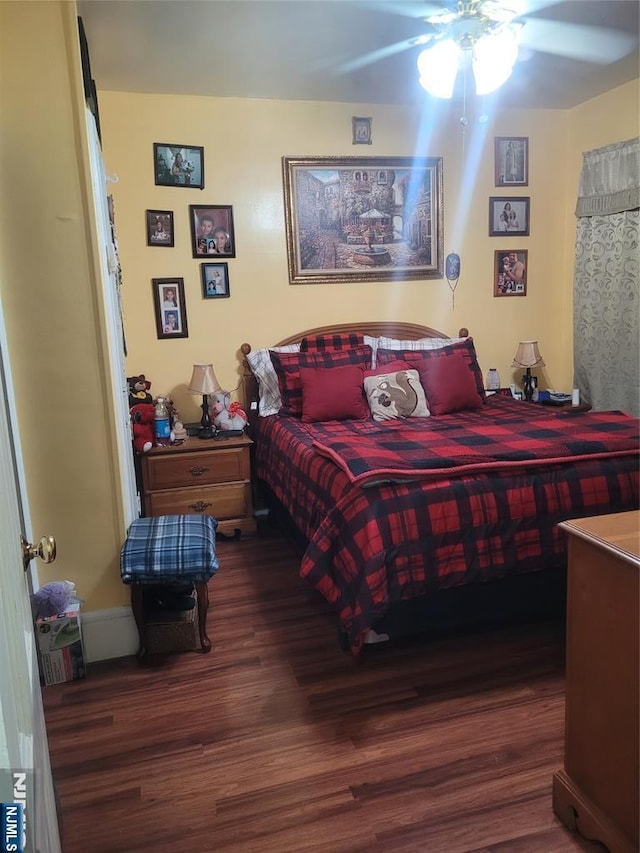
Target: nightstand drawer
232,500
194,469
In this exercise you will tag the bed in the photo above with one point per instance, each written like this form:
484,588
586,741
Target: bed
407,520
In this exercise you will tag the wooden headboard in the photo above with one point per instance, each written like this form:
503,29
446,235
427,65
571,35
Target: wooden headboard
387,328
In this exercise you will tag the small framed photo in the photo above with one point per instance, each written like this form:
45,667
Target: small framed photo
170,308
512,161
508,217
212,230
361,130
159,228
510,273
178,165
215,280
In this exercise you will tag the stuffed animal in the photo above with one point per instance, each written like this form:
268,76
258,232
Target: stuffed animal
138,390
142,425
53,598
226,415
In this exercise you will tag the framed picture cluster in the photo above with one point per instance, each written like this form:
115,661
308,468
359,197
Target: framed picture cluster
509,215
212,236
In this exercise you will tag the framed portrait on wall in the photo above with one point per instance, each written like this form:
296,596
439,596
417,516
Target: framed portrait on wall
361,127
508,216
178,165
510,272
512,161
170,308
215,281
212,231
159,227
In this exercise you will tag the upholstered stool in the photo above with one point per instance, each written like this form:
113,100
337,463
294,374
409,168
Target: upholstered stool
170,549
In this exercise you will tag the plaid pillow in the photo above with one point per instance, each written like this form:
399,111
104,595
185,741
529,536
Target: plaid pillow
331,343
287,367
262,368
415,358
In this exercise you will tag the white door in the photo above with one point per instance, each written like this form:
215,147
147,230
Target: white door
25,772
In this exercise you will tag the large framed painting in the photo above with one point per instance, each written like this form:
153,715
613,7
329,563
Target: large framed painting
356,219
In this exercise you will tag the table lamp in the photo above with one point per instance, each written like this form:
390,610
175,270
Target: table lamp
528,356
203,381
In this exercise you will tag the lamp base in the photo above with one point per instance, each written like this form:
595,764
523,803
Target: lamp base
207,429
207,432
527,386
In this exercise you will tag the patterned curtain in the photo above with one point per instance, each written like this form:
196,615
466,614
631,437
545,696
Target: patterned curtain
606,299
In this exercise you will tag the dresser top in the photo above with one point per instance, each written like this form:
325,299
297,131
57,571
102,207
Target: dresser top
619,531
194,443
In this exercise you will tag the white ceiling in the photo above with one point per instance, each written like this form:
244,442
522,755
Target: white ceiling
343,50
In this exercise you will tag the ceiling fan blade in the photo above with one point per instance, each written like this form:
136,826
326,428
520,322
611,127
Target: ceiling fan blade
576,41
382,53
406,8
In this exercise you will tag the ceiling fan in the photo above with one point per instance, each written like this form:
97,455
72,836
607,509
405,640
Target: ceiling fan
490,35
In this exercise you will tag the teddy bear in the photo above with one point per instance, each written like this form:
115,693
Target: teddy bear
142,425
226,415
138,390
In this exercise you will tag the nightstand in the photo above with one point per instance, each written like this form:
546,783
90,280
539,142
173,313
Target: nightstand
201,476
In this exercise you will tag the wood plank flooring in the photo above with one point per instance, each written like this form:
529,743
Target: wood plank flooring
279,741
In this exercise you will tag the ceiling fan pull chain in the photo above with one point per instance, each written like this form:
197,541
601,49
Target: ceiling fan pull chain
464,121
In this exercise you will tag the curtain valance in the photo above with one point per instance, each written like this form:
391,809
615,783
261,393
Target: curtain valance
610,179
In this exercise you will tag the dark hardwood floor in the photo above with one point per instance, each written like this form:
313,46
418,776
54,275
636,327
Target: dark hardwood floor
279,741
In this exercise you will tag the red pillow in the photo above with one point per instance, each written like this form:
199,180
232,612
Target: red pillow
416,358
287,366
449,385
390,367
333,394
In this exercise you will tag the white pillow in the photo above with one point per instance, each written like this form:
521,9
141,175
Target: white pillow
269,401
420,343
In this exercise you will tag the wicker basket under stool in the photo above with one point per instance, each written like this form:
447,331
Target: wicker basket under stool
172,631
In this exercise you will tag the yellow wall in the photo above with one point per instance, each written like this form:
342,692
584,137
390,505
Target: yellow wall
49,292
49,301
244,141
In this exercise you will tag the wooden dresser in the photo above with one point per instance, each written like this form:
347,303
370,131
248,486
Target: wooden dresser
201,476
597,791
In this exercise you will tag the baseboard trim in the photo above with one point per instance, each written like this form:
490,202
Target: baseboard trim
109,634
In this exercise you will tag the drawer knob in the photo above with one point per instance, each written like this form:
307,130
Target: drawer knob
200,506
197,470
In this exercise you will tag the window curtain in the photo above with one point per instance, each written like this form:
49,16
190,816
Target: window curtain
606,315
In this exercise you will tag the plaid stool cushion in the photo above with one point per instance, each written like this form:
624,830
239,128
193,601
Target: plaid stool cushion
170,548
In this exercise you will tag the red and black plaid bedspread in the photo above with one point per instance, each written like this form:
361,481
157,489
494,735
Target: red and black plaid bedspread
370,547
432,447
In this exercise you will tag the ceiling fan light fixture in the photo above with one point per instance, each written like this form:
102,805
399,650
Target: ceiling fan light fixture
438,67
493,57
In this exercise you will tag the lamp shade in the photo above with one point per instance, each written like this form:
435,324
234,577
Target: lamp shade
438,68
528,355
494,56
203,380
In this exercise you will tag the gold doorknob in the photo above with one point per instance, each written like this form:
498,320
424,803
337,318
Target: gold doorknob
45,549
